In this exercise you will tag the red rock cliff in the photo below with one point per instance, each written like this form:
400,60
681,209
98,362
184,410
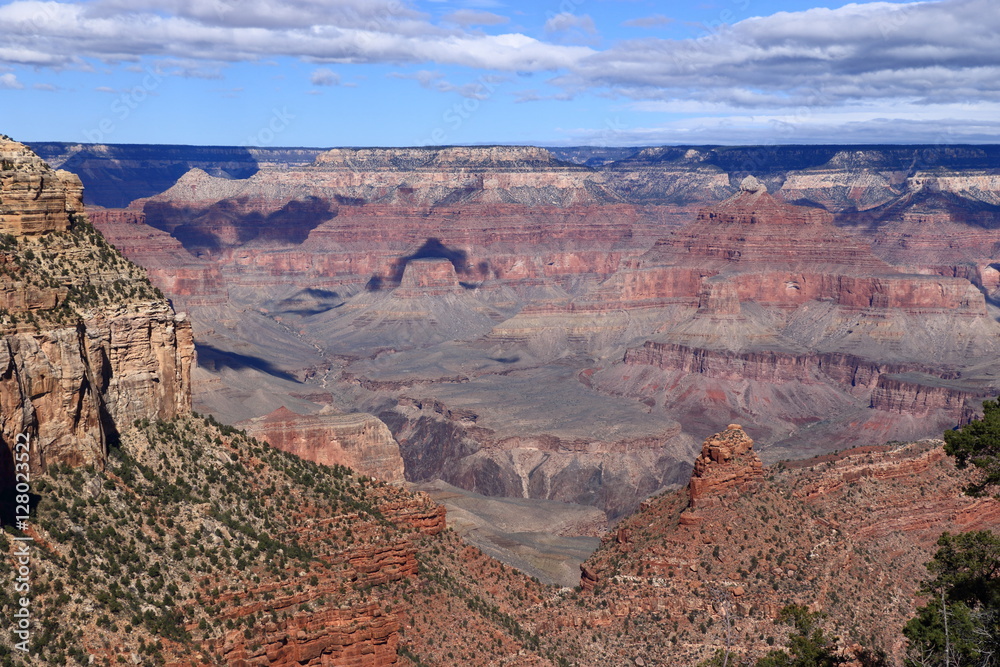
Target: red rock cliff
36,199
357,440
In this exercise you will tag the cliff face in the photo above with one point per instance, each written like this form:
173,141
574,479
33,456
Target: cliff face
780,303
36,198
359,441
727,461
69,388
88,345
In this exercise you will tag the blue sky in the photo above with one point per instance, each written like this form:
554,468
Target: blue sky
548,72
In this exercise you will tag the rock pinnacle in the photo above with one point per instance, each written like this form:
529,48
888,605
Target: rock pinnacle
751,184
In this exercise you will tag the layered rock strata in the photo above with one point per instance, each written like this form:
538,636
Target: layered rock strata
738,316
727,461
359,441
188,280
91,346
781,301
36,199
821,532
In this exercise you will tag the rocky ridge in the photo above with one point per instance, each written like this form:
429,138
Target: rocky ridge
240,553
727,461
36,198
234,552
822,533
88,344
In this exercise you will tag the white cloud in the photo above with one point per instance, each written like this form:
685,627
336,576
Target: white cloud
480,89
871,123
925,52
344,31
324,77
10,81
882,59
188,68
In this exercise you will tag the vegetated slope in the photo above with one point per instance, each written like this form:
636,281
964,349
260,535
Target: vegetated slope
201,544
846,534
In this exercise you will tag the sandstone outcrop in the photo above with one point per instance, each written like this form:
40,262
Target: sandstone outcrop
428,276
357,440
727,461
36,199
91,347
68,388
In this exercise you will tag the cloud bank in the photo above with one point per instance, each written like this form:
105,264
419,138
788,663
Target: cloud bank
856,67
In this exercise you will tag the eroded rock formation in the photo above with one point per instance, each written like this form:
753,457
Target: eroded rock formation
359,441
36,199
727,461
818,532
91,346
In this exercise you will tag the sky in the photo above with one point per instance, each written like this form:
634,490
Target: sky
323,73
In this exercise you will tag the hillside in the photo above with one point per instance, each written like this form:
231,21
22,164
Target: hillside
741,542
201,545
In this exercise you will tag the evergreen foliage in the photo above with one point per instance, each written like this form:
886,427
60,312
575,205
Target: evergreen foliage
978,443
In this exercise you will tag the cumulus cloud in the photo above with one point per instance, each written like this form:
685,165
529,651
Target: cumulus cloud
324,77
51,34
467,17
379,15
10,81
187,68
654,21
566,28
879,58
926,52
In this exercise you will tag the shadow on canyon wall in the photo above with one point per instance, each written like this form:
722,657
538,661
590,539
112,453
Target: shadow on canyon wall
216,359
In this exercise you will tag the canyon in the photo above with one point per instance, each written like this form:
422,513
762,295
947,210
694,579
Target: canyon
162,536
559,324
